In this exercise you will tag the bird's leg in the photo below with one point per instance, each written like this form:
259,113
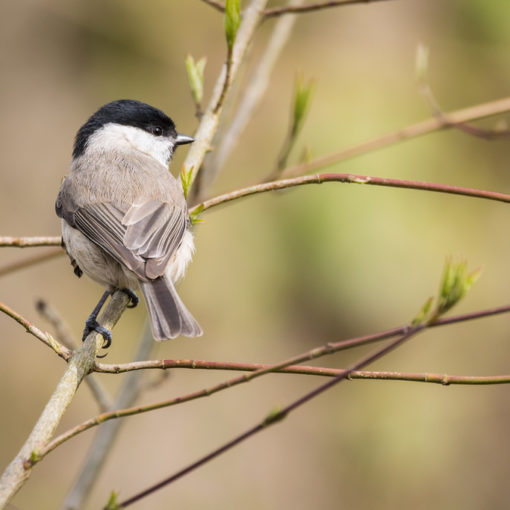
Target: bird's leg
91,323
133,298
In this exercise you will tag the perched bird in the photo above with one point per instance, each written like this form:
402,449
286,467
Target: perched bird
125,222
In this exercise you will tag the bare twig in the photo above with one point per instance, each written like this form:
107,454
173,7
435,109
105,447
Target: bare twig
80,364
23,242
315,6
210,120
278,415
106,435
313,354
349,179
45,338
219,6
30,261
448,121
252,95
64,335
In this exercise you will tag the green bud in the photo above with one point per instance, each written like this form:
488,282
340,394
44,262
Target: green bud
232,21
194,213
302,98
112,502
186,180
195,72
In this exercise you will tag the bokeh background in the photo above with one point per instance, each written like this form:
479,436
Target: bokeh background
279,274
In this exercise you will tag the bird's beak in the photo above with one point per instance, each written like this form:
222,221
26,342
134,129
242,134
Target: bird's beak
183,139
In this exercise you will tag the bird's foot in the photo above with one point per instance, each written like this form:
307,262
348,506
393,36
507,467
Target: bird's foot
133,298
92,325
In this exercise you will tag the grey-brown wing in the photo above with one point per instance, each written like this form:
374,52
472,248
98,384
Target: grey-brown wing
143,236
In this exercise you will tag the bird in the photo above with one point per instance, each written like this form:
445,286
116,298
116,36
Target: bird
124,218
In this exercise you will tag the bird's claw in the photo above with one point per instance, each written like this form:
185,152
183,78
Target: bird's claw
93,325
133,298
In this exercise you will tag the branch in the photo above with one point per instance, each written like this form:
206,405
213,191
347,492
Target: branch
64,335
425,377
348,179
216,4
106,435
447,121
210,120
278,11
45,338
252,95
265,369
30,261
278,415
80,364
23,242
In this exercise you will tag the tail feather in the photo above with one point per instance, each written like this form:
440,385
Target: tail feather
169,317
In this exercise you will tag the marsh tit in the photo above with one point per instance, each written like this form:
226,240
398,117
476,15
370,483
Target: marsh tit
125,222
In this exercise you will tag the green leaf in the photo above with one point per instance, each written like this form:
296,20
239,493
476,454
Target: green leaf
112,502
302,98
455,284
232,21
195,72
186,180
423,313
194,213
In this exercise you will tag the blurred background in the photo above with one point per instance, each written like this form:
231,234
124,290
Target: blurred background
275,275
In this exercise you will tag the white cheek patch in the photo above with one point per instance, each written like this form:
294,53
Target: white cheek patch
116,136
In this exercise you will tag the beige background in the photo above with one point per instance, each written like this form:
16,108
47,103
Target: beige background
275,275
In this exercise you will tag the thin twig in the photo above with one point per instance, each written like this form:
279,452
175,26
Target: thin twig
210,120
64,335
316,6
23,242
45,338
252,95
219,6
30,261
278,415
106,435
349,179
313,354
448,121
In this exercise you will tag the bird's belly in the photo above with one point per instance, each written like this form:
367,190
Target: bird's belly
95,262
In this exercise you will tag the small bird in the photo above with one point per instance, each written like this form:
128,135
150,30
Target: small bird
125,221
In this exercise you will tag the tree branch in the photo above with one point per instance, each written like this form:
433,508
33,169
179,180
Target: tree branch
265,369
277,416
30,261
348,179
45,338
210,120
252,94
316,6
23,242
80,364
447,121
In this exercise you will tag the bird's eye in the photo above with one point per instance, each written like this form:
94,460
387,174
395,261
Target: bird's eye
157,131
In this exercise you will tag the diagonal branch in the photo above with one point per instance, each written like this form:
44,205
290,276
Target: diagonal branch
315,6
447,121
349,179
80,364
266,369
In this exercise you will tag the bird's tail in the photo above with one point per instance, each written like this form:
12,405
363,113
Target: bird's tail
168,316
